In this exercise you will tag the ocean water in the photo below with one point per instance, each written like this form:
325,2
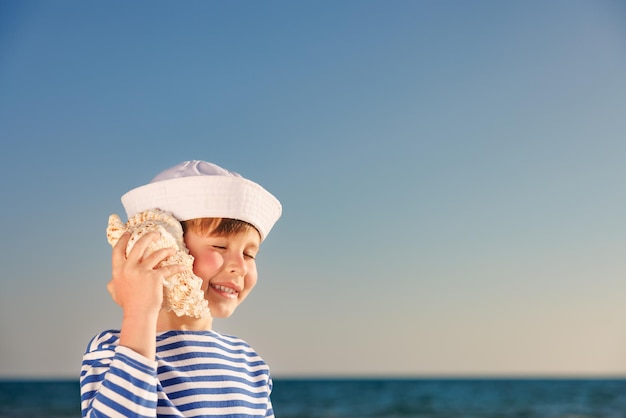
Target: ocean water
448,398
390,398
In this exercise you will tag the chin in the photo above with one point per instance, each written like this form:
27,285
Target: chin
220,313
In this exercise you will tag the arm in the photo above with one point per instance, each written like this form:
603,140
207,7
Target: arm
137,286
118,375
115,381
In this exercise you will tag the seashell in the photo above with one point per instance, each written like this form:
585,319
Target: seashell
183,291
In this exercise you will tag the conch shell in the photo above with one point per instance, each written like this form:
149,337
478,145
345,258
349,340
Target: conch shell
182,292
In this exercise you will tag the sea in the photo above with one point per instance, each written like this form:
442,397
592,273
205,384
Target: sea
339,398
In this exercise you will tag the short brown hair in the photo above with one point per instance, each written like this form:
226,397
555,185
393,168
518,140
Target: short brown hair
218,226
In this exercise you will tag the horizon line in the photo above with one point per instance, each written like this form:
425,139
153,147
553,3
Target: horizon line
391,376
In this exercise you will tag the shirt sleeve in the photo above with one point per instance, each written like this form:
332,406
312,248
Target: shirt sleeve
270,410
116,381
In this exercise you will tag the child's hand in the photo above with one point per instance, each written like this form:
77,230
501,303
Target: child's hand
136,284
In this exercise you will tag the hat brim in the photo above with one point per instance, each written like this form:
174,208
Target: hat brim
208,197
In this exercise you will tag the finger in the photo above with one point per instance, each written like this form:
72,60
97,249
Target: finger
158,256
141,244
171,269
119,250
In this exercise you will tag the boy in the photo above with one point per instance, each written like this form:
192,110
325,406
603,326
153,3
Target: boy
159,364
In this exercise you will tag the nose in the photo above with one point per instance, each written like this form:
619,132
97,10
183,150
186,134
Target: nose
237,265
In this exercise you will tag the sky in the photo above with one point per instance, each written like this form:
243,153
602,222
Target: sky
451,173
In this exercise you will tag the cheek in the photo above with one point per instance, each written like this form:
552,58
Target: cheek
251,278
207,264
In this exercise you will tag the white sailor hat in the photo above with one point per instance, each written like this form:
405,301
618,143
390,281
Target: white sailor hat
198,189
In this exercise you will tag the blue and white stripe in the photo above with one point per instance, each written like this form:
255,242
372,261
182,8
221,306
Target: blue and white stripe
195,374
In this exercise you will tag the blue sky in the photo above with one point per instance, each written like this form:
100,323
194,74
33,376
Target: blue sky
452,175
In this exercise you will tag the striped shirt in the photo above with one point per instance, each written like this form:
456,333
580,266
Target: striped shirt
196,373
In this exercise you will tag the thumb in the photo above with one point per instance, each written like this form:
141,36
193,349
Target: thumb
111,290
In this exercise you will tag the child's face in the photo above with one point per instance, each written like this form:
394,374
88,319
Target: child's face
226,266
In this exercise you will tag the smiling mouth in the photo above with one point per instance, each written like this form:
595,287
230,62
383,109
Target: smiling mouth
225,290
